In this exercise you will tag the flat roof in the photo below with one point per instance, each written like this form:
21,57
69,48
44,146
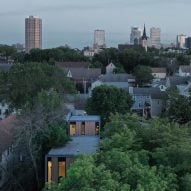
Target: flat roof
83,118
77,146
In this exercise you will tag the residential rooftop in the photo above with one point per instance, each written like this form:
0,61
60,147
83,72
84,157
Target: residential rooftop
116,77
77,146
84,118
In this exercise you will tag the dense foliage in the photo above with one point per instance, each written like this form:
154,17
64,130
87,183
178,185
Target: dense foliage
51,55
108,99
178,107
143,75
24,81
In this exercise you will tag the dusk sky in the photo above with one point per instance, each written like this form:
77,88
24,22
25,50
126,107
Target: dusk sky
72,22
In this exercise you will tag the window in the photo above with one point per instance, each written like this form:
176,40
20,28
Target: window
72,128
97,127
61,168
49,170
83,128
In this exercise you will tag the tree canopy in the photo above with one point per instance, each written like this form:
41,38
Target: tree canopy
108,99
143,75
24,81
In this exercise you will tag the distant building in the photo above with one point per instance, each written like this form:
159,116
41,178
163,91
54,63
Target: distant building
144,39
88,52
155,37
33,33
99,40
135,35
19,47
188,42
181,41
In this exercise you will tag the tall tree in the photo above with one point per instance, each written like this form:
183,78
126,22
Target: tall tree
143,75
108,99
24,81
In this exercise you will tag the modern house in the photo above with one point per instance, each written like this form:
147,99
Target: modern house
58,160
88,125
84,132
6,139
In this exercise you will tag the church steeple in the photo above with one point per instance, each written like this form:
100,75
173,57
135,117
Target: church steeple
144,37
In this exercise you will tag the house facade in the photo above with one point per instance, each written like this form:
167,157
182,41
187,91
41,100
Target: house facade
184,70
84,125
159,73
147,98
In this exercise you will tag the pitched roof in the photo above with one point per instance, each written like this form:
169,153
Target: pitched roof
178,80
77,146
116,77
72,64
158,70
6,132
84,73
185,68
155,93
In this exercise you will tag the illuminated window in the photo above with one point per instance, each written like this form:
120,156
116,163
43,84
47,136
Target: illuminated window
49,170
97,128
72,128
83,128
61,168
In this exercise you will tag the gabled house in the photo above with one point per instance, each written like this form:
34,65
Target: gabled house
159,73
184,70
6,140
83,77
110,68
173,81
185,89
122,80
147,97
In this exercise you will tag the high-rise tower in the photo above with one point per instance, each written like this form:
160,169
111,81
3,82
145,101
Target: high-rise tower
33,33
99,39
135,35
155,34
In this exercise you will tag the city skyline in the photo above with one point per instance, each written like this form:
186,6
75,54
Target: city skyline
73,23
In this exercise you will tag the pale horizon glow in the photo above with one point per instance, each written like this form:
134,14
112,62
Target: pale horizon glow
73,22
